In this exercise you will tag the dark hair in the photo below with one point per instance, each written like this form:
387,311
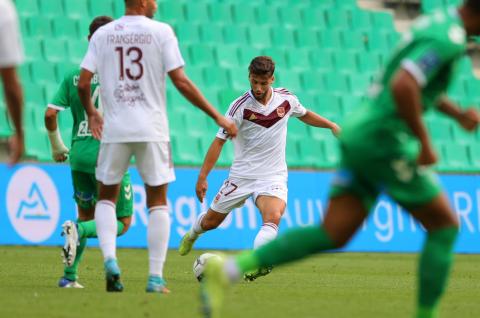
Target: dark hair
473,5
98,22
262,65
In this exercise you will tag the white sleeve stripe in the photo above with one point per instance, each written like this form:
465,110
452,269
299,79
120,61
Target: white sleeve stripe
412,68
56,107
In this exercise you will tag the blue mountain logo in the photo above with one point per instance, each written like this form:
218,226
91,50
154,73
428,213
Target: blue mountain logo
35,207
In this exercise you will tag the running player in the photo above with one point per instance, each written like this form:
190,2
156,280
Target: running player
385,147
259,169
132,57
11,55
83,155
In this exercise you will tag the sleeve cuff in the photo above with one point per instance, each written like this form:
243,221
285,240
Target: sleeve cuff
412,68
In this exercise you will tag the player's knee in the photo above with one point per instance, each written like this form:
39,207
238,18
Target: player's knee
272,217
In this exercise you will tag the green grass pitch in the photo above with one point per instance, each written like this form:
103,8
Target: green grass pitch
331,285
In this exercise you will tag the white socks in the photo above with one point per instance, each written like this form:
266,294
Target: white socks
196,229
158,234
106,221
267,233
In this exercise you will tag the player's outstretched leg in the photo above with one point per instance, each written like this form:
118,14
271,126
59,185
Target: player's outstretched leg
213,287
191,236
186,244
112,276
293,245
69,250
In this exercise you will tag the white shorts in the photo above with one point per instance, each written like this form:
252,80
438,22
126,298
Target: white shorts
153,161
236,191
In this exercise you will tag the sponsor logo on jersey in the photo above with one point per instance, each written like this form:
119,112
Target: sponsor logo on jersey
269,120
33,204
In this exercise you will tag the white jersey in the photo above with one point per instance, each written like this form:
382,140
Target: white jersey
262,135
11,51
132,56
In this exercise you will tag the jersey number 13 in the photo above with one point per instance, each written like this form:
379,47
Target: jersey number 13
135,54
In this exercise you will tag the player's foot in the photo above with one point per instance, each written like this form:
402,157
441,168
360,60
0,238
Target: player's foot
112,276
251,276
186,244
213,287
156,284
69,250
67,283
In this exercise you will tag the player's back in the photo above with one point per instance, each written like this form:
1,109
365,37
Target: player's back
132,56
84,148
10,45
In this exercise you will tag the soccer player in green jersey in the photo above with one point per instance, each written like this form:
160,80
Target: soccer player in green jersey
385,147
83,155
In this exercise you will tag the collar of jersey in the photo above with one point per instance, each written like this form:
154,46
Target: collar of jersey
133,17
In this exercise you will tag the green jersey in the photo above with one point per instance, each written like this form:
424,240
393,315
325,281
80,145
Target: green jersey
429,52
84,148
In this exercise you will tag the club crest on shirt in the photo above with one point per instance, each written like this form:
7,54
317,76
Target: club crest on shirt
281,111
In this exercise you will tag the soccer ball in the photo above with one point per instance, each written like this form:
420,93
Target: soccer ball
199,264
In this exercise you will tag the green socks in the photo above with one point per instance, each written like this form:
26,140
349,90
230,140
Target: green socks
293,245
88,229
70,272
435,263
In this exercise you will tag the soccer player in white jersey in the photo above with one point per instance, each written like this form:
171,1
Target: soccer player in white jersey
11,55
132,56
259,169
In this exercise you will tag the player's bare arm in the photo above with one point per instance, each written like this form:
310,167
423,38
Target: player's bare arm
208,163
314,119
14,99
95,120
194,96
59,150
467,118
407,95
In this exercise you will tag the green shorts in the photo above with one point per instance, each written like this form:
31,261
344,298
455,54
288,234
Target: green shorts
399,176
86,193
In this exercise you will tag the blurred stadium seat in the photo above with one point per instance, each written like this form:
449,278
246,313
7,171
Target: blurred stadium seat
326,51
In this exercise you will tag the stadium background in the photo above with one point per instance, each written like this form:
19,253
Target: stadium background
327,52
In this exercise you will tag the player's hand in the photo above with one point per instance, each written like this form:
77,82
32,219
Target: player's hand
469,119
201,188
60,155
228,125
336,129
17,147
427,156
95,122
